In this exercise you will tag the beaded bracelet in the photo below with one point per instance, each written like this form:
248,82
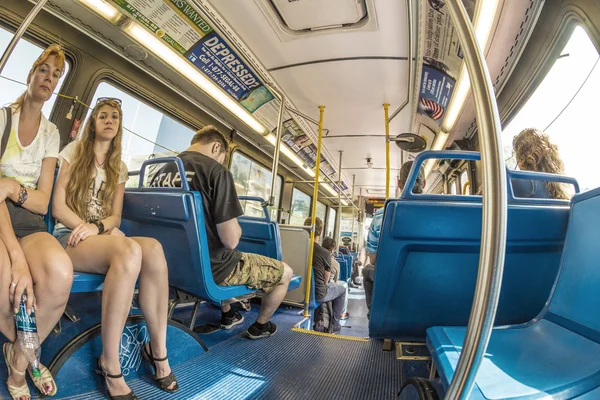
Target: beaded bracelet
22,195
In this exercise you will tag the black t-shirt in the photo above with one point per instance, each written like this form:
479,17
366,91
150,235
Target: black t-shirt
219,200
321,264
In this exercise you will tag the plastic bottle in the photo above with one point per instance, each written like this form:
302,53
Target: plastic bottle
27,336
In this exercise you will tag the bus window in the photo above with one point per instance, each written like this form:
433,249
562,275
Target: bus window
560,106
252,179
14,76
300,209
464,178
146,131
453,186
322,213
331,222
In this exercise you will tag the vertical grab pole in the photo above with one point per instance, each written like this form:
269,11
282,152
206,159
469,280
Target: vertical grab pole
493,233
339,211
275,166
19,33
313,213
386,107
353,210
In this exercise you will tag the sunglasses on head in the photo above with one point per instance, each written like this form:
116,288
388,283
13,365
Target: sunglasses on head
101,99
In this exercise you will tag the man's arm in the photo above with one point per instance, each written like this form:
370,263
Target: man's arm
230,233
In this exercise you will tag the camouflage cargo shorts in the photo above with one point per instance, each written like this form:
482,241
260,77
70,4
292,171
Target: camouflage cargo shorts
256,272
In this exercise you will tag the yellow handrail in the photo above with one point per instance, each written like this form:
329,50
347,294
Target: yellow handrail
313,214
464,188
386,107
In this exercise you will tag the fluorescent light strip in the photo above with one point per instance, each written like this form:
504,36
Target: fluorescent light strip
484,19
103,8
186,69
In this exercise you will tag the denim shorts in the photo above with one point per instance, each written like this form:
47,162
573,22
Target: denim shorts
62,235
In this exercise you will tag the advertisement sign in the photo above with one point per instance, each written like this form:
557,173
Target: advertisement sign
435,92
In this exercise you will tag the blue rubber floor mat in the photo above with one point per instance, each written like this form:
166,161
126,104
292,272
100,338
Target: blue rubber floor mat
290,365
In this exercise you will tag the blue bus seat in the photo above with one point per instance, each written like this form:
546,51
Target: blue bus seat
349,262
557,353
428,256
175,217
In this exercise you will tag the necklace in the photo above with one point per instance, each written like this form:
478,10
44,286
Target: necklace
99,164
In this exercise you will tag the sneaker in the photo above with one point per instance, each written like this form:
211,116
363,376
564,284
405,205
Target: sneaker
255,332
229,322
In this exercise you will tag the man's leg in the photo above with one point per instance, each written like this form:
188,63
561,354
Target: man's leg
368,273
336,293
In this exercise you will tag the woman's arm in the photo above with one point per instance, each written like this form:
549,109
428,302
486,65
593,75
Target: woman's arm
37,199
84,230
20,275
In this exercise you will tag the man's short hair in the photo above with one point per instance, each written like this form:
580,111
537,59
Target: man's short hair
328,244
318,225
210,134
419,183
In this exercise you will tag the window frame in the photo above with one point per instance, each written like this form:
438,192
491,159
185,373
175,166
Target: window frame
292,201
249,157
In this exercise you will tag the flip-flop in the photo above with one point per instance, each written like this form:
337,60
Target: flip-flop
16,392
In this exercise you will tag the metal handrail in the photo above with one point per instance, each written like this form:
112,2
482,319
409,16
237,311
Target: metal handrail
275,166
19,33
494,210
409,15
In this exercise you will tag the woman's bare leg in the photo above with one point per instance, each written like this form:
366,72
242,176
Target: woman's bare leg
154,299
120,259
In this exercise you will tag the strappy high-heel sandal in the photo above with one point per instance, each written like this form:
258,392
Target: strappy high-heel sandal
165,381
100,371
16,392
41,381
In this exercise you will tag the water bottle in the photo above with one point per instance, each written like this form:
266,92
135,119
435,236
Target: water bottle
27,337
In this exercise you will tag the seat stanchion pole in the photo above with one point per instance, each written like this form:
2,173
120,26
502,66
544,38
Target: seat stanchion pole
313,214
494,210
386,108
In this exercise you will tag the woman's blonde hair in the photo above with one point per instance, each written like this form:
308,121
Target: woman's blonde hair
83,166
52,50
535,152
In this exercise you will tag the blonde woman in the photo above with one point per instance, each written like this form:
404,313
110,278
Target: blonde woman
534,152
88,201
32,262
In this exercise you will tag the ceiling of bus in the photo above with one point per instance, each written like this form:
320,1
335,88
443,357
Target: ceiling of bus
351,72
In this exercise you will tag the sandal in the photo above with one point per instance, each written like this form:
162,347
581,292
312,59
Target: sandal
100,371
165,381
40,382
16,392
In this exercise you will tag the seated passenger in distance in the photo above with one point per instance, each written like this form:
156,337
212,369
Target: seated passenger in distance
368,272
534,152
32,262
329,245
206,174
88,200
324,290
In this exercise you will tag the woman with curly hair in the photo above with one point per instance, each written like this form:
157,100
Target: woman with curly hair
534,152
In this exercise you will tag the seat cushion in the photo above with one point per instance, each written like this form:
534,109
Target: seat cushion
523,362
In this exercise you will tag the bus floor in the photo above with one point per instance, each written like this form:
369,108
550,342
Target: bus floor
292,364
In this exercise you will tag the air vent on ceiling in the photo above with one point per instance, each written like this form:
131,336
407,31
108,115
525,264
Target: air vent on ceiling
302,15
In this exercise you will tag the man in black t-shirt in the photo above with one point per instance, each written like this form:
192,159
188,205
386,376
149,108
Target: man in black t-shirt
205,173
324,291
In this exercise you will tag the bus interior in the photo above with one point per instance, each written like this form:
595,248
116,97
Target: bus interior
478,293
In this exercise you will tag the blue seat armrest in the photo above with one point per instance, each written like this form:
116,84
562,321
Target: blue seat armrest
295,282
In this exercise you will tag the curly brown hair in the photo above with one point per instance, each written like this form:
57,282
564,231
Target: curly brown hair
534,152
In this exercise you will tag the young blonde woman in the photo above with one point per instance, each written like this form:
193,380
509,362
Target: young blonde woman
88,201
534,152
32,262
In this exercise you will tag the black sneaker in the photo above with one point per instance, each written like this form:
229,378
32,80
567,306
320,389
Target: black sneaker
229,322
255,332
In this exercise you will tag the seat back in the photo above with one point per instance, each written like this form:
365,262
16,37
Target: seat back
259,235
175,217
574,303
428,256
